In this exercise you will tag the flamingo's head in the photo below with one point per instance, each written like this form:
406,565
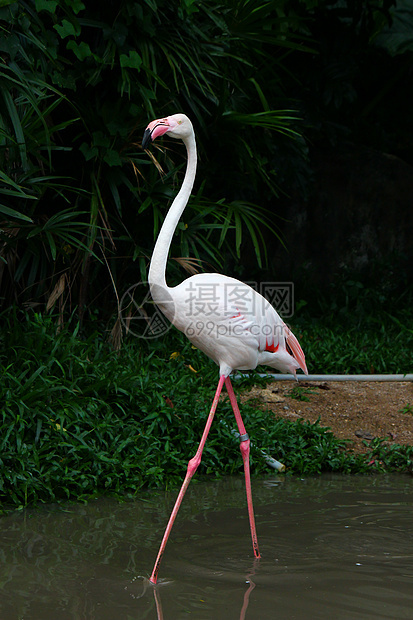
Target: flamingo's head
176,126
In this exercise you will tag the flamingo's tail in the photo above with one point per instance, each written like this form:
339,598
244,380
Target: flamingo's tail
296,349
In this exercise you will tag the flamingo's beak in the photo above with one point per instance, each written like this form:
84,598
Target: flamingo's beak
147,138
155,128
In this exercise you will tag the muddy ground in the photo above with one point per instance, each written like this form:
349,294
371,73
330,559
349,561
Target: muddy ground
353,410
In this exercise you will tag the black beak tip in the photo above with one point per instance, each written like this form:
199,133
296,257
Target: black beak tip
147,138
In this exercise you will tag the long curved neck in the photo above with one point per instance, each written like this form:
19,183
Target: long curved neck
157,269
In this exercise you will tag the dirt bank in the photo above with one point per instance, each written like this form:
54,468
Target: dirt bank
352,410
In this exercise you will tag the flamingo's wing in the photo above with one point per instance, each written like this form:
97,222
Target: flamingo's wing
277,336
234,325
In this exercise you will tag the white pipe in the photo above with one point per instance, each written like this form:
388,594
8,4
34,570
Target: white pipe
300,377
273,462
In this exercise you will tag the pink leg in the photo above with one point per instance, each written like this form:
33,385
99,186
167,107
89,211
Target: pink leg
245,451
192,467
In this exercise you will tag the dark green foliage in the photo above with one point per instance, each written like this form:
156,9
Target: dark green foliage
307,448
373,348
390,457
78,419
80,202
79,83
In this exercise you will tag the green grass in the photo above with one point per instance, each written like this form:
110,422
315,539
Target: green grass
78,420
407,409
389,458
301,393
369,349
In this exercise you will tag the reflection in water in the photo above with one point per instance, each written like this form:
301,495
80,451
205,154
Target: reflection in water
158,604
148,585
332,546
249,590
157,594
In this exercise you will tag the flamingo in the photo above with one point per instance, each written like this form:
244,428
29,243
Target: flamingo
226,319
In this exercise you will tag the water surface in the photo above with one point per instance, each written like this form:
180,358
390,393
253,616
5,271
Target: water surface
332,546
